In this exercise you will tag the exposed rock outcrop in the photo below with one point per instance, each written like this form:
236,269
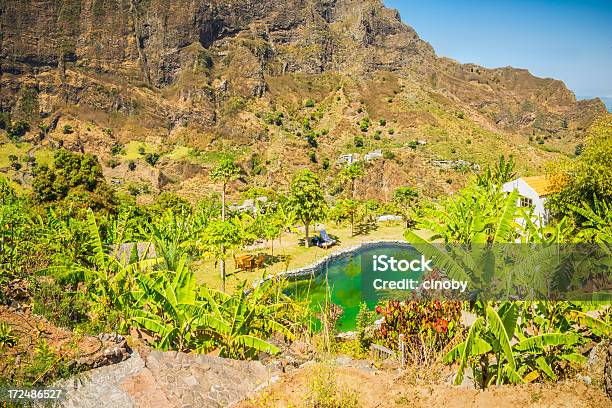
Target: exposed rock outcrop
169,379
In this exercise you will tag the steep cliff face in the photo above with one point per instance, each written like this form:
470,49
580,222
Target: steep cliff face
205,71
155,41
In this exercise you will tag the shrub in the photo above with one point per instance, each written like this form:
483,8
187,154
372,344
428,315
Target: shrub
358,141
68,129
274,118
382,122
413,144
69,171
579,149
388,155
152,158
309,103
312,156
141,150
391,131
17,130
132,165
325,163
312,140
64,308
257,165
359,110
112,163
377,135
420,320
117,149
460,115
364,124
469,141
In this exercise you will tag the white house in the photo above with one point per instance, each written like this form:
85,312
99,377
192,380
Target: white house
376,154
532,193
348,158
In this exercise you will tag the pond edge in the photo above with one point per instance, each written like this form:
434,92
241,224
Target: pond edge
314,269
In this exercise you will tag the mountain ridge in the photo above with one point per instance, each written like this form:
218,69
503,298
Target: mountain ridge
183,73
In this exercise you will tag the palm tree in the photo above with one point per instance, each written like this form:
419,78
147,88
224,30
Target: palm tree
225,172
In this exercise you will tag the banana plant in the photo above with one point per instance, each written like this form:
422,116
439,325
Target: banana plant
172,236
598,223
109,280
248,321
488,347
519,343
167,307
184,317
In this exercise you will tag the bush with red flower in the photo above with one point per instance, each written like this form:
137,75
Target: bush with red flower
430,323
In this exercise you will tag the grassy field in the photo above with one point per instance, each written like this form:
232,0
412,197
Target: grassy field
42,155
289,253
131,149
7,149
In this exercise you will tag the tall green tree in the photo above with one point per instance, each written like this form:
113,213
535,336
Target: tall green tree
217,238
226,172
347,209
406,199
351,174
306,200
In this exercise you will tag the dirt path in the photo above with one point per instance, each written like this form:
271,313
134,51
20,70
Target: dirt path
378,389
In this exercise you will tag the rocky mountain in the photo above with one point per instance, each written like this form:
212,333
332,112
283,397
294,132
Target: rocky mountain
275,84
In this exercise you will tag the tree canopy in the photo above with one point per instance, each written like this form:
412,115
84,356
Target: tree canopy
306,199
74,175
588,177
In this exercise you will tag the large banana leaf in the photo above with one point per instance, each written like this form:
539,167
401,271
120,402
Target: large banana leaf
479,346
602,328
535,344
256,343
469,343
545,367
505,226
441,259
496,326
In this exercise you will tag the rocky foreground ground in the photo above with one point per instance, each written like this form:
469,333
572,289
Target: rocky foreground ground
169,379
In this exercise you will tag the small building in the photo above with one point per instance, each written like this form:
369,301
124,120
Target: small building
376,154
249,205
533,192
348,158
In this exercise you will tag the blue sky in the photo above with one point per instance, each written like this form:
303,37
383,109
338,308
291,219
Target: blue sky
567,40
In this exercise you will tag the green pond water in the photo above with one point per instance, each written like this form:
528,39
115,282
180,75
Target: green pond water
344,277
